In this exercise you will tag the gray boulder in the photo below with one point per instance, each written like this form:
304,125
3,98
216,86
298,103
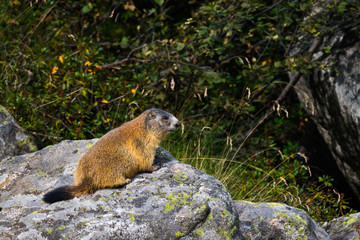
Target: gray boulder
263,221
175,202
13,139
344,228
331,96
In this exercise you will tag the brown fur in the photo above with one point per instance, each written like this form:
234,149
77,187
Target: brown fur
118,156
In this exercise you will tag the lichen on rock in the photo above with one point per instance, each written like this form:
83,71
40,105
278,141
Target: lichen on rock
277,221
175,202
344,228
13,139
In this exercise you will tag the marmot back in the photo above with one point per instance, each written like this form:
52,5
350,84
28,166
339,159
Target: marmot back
119,155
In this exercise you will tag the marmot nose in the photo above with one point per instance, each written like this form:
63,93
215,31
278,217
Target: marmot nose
177,124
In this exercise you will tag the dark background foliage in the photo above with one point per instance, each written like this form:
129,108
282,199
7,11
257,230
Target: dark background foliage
76,69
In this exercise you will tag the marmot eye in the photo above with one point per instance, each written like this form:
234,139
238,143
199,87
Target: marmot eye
165,117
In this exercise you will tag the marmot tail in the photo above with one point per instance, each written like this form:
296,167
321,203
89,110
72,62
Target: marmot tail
64,193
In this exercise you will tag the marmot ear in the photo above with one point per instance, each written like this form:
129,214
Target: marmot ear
152,114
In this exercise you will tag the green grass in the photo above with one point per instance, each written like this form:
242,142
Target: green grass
263,173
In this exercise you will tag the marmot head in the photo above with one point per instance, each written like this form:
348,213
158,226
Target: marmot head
160,122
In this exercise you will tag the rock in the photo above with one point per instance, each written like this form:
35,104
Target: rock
331,96
175,202
13,139
276,221
344,228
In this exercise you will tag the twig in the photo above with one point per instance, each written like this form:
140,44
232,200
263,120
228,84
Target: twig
268,9
111,65
73,45
14,20
266,47
120,97
44,135
42,19
293,80
67,95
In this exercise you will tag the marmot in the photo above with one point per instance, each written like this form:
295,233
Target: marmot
118,155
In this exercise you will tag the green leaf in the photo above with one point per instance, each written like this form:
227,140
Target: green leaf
277,64
87,8
159,2
124,42
205,8
180,46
